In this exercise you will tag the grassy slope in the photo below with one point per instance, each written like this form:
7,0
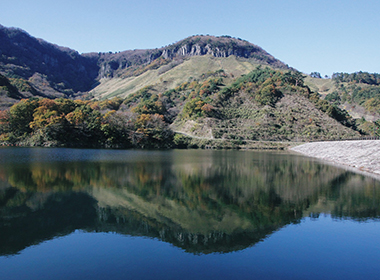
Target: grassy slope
193,67
323,86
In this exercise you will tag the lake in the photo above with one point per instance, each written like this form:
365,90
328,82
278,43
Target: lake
184,214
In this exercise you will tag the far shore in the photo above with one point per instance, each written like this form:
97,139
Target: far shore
362,156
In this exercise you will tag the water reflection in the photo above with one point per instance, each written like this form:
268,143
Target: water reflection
201,201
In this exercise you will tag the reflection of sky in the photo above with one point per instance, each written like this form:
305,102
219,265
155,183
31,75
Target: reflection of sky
321,248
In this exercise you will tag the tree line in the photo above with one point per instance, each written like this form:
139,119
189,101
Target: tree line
357,77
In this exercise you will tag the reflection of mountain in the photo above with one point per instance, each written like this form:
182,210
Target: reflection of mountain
216,202
129,222
59,214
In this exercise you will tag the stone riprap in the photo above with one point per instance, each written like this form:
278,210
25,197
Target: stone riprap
362,155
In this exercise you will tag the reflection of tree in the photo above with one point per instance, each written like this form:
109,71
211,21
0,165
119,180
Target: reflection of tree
354,203
227,202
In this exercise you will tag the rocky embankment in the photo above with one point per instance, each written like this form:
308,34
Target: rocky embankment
361,155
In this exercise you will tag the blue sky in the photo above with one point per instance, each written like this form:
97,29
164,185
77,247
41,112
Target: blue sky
320,35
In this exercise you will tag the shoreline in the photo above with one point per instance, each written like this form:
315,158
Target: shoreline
360,156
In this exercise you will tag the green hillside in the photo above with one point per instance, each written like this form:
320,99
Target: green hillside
357,93
263,105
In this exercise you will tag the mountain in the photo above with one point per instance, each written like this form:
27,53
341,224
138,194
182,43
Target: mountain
213,88
38,68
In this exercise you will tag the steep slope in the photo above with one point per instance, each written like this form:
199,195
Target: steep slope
172,65
121,63
8,93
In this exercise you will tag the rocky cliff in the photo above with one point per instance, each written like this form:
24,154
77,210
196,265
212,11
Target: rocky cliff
223,46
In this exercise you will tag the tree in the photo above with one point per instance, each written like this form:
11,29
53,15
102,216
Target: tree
298,78
193,108
316,75
86,126
152,132
45,114
376,128
20,115
118,128
151,106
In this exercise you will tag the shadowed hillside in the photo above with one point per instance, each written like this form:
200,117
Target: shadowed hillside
51,70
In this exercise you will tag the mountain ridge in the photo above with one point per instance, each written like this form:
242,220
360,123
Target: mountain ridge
55,71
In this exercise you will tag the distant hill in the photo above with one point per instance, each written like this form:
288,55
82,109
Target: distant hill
126,72
127,63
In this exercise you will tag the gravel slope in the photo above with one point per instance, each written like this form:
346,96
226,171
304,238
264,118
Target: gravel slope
361,155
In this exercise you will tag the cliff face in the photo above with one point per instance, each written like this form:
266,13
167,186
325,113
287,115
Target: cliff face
224,46
192,49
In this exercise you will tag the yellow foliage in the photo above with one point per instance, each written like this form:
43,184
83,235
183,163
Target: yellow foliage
75,117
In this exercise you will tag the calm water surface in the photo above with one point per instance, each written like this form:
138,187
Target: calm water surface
192,214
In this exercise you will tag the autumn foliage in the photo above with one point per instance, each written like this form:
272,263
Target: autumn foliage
64,122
